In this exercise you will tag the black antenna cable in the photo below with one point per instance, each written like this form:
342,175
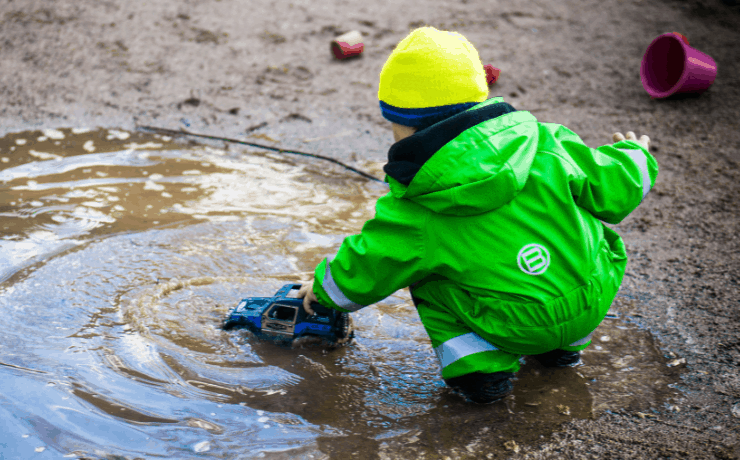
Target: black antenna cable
173,132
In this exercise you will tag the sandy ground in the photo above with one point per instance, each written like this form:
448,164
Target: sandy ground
225,67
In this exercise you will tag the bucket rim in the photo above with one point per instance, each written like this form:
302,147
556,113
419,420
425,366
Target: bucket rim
684,72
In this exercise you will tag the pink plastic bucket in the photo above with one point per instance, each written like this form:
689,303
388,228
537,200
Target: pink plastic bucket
670,66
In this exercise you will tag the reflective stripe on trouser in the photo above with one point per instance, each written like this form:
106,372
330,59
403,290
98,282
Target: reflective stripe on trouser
459,350
581,344
460,347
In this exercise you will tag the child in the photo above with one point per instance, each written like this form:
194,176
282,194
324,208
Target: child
493,219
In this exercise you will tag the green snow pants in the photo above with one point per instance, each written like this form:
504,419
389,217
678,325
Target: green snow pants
476,335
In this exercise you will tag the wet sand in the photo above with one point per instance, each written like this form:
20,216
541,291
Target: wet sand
223,68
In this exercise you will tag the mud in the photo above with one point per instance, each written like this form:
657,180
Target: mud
141,245
109,347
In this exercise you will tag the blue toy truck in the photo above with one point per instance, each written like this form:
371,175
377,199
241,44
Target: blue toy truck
282,317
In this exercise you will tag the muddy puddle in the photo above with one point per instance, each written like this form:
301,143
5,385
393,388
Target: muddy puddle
120,255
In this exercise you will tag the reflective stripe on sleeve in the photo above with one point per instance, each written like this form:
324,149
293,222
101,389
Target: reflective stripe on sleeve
460,347
336,294
583,341
641,161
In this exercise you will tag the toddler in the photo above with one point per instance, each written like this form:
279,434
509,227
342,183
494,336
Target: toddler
493,219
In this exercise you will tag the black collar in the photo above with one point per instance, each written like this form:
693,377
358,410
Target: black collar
408,155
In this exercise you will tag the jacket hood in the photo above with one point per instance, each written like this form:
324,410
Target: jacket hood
471,163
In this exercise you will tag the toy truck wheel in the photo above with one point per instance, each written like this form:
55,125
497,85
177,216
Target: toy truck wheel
229,324
343,328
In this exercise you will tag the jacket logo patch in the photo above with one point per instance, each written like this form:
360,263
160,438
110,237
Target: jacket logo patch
533,259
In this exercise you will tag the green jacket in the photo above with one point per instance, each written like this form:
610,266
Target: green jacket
505,207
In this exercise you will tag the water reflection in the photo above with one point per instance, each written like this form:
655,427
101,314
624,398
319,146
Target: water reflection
121,253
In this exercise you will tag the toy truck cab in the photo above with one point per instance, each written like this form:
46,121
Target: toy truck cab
282,317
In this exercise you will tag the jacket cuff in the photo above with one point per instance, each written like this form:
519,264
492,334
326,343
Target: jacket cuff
320,292
639,157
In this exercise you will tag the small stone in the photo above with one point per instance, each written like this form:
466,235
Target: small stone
512,446
563,410
676,362
736,410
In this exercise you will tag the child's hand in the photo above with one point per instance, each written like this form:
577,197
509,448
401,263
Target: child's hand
644,140
306,292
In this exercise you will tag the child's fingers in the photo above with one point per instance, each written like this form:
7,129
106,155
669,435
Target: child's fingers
644,140
306,291
307,305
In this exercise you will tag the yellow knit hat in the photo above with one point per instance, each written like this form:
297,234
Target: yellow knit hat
433,70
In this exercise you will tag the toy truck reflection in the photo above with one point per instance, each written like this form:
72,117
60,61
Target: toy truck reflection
282,317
